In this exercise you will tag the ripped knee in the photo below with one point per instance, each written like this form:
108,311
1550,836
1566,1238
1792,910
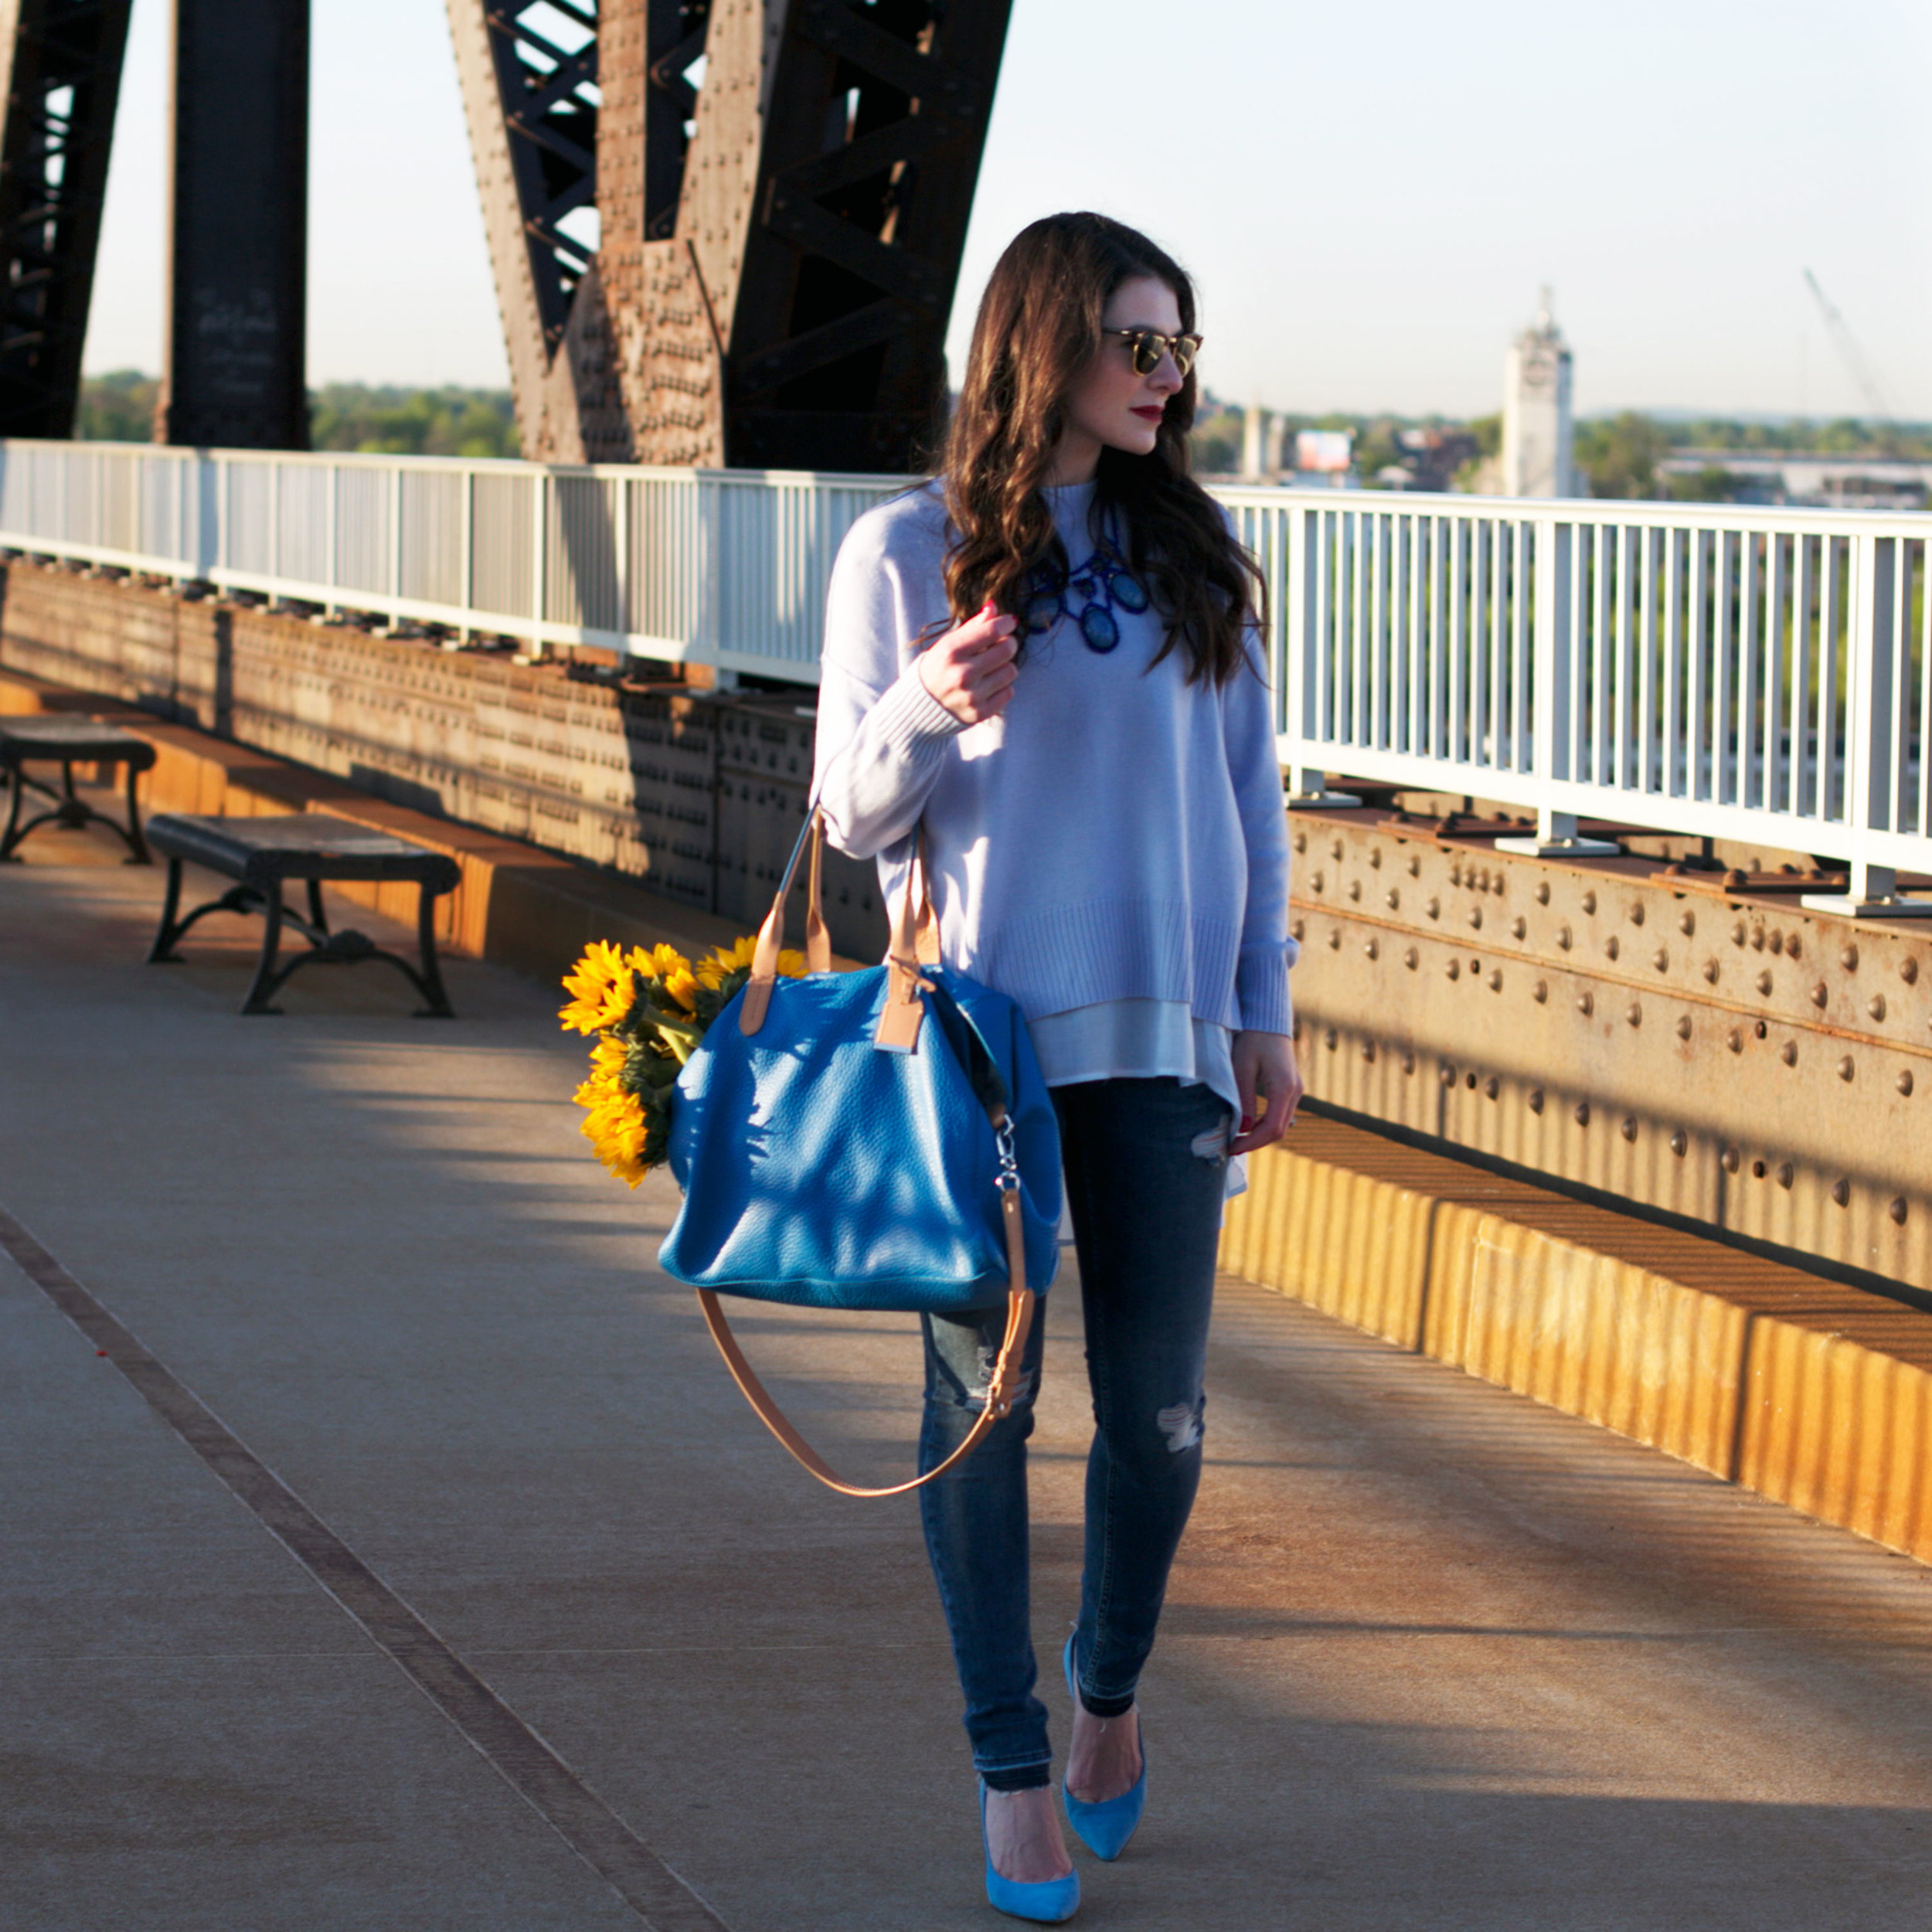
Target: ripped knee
1180,1423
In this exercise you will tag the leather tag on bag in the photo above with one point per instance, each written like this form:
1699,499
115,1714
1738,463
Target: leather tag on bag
898,1030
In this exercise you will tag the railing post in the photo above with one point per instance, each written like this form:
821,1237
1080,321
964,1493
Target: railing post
1306,784
1870,743
539,561
466,547
1553,711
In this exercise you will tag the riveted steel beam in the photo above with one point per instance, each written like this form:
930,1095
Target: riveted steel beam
232,372
1738,1060
62,77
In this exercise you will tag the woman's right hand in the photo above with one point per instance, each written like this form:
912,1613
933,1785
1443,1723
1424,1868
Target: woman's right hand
971,669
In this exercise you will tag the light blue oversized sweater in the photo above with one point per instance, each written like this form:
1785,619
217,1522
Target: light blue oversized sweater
1114,834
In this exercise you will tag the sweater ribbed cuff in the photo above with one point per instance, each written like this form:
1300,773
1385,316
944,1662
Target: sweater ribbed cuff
1261,991
909,719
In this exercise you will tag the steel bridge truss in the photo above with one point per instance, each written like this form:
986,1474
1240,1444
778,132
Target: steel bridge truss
63,61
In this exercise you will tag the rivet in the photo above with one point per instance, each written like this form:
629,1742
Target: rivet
1410,958
1875,1006
1792,951
1738,934
1299,928
1475,917
1543,892
1761,1028
1687,923
1415,867
1637,913
1711,970
1372,950
1728,1160
1395,898
1540,992
1777,942
1684,1027
1469,1080
1735,1040
1328,1040
1764,982
1757,939
1788,1053
1354,889
1518,927
1316,881
1590,902
1434,909
1454,969
1661,960
1495,982
1897,1209
1629,1128
1563,937
1909,970
1585,1005
1842,1191
1369,1050
1846,1068
1680,1143
1492,1086
1498,885
1408,1063
1335,940
1821,994
1455,873
1375,859
1757,1170
1611,947
1848,959
1634,1015
1582,1115
1786,1174
1301,841
1536,1100
1904,1084
1335,850
1448,1076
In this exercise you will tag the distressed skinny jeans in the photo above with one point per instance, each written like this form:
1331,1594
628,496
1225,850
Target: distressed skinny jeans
1147,1217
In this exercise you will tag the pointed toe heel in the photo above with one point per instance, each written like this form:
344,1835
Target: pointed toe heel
1047,1902
1104,1829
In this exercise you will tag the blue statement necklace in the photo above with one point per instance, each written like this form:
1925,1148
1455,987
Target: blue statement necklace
1090,595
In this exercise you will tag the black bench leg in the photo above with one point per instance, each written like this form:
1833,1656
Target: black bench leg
317,917
267,979
439,1007
11,837
136,845
163,949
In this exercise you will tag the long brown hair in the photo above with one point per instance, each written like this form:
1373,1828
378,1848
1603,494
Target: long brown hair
1037,333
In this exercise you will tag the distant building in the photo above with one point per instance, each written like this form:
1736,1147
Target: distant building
1538,457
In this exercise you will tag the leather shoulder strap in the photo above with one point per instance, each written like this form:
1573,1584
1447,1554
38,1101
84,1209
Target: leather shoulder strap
1001,1388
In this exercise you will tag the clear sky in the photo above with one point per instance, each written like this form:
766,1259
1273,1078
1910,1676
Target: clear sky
1369,196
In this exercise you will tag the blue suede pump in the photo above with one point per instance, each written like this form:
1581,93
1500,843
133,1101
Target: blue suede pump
1045,1902
1104,1829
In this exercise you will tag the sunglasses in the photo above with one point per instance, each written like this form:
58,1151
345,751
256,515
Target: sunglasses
1148,345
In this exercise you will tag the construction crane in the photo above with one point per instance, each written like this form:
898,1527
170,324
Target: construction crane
1862,371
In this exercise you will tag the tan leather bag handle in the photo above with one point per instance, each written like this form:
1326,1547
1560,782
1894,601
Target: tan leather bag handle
914,943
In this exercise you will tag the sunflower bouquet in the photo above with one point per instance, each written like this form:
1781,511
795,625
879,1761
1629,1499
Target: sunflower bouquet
649,1007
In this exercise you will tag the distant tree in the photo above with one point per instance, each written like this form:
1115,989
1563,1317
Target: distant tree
1710,484
399,421
118,407
1620,455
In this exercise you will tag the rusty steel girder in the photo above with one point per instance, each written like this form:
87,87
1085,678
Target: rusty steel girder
63,61
1736,1060
777,247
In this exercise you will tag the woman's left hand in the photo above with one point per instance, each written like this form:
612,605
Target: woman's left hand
1264,1069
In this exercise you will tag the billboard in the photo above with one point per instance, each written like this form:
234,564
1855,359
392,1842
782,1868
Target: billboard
1328,451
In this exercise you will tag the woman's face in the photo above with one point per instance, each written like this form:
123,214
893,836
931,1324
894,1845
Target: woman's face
1111,406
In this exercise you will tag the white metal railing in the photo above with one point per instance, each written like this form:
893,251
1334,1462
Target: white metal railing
1759,674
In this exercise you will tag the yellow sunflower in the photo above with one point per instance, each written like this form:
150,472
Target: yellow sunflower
614,1123
728,959
599,986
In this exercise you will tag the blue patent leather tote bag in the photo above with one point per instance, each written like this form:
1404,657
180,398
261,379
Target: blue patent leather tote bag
880,1139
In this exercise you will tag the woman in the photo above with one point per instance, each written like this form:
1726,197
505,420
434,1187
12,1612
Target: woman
1051,656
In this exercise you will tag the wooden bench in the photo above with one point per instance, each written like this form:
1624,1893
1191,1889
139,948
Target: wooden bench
68,741
263,854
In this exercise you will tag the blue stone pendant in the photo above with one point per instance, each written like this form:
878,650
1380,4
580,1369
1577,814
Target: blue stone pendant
1098,626
1127,591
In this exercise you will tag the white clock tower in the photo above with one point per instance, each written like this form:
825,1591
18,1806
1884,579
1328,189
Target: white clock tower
1538,430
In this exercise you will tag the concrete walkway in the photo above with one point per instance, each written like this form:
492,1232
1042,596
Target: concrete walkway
1435,1657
